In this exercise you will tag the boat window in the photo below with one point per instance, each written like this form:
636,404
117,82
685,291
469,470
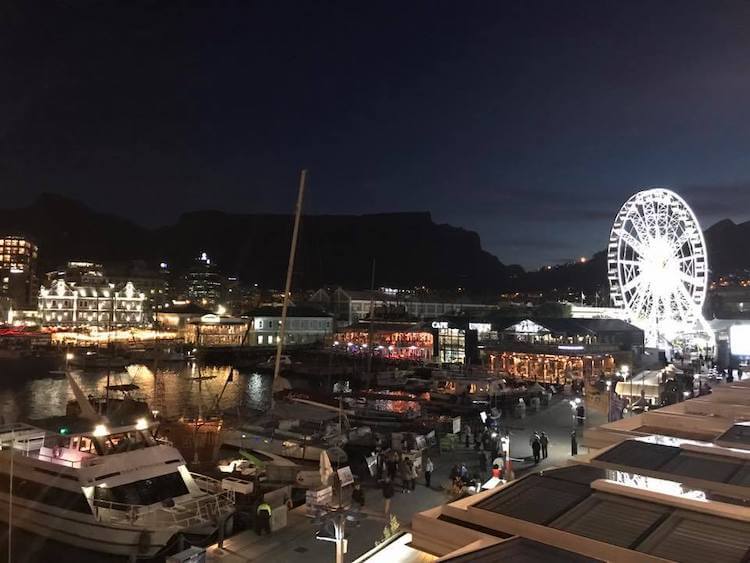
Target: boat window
145,491
85,444
45,494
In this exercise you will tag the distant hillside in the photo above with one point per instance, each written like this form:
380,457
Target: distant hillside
728,246
409,248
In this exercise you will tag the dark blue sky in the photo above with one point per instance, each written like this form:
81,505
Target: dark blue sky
527,121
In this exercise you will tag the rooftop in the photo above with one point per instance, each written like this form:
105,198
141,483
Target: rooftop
292,311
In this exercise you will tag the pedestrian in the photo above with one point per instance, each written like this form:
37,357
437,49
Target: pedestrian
392,465
263,519
482,462
412,468
428,469
464,473
358,495
536,446
544,440
388,493
573,443
405,475
466,437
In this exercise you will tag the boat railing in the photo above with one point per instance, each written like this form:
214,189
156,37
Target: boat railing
184,514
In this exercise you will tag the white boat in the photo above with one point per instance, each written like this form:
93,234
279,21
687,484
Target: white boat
476,389
110,487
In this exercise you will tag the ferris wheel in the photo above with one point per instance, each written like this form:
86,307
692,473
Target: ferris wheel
657,266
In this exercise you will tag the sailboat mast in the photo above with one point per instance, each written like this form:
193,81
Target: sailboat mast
289,270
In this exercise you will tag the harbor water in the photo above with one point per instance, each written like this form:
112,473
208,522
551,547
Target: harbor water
29,391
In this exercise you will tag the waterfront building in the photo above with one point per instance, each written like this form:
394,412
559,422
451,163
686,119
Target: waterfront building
305,325
666,485
204,283
398,340
562,350
350,305
18,263
178,314
211,330
68,304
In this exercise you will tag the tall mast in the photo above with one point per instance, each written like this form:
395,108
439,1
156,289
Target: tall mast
289,270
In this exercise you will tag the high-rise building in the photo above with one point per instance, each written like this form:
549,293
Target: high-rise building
204,283
18,260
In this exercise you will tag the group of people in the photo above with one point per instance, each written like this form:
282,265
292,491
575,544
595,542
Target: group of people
399,465
539,443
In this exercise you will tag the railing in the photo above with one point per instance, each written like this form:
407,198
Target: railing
183,514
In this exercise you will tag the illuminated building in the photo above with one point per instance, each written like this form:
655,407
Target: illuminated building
408,341
177,314
216,331
18,261
67,304
305,325
562,350
351,306
203,282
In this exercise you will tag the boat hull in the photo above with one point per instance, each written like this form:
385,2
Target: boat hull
82,530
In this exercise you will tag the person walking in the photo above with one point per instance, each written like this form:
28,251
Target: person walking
428,469
544,440
263,519
573,443
388,493
404,469
536,446
412,468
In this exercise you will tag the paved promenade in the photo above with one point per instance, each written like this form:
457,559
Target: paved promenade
297,541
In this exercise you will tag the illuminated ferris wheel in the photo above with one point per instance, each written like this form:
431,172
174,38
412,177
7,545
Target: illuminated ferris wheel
657,266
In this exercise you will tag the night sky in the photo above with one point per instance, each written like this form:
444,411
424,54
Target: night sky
529,122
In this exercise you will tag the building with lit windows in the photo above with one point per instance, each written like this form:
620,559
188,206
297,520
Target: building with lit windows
18,262
212,331
204,283
350,305
397,340
67,304
561,350
304,325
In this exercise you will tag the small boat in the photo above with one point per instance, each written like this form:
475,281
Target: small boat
468,389
90,359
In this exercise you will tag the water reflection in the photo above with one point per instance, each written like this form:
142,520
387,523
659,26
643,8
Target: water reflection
173,391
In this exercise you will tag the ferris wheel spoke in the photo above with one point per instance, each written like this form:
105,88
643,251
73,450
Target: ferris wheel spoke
632,283
640,226
632,242
687,278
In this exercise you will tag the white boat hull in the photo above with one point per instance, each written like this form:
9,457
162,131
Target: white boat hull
83,530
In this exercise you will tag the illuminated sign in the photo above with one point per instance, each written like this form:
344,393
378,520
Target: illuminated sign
480,327
575,348
439,324
739,340
528,327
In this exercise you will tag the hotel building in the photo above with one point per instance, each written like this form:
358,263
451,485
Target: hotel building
18,262
67,304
